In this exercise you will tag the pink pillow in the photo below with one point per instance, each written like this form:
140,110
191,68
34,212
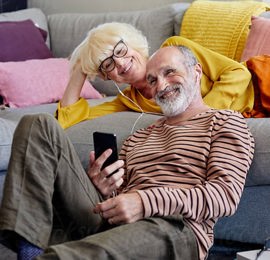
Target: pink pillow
33,82
258,41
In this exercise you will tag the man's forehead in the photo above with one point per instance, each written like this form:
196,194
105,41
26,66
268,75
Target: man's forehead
163,62
159,68
166,55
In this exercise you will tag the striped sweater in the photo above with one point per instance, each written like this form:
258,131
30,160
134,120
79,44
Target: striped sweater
196,169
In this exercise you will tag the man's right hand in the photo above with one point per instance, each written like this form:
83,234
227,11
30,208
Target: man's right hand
105,185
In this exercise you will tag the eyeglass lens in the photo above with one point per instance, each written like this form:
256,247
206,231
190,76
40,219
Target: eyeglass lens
120,50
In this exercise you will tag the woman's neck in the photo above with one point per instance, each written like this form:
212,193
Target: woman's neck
143,88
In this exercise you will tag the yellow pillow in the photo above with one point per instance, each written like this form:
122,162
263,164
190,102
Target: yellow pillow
221,26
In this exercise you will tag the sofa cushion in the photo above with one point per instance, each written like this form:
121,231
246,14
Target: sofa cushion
258,41
156,24
179,18
22,40
9,119
35,14
7,128
251,222
107,87
20,87
259,172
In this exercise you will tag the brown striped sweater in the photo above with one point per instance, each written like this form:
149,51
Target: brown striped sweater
196,169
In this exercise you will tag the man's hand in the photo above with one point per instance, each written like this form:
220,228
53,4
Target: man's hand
105,185
122,209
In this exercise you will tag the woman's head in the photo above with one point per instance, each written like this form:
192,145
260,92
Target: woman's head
100,44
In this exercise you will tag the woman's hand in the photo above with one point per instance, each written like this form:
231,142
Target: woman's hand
122,209
102,180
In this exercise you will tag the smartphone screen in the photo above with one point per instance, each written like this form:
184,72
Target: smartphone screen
102,142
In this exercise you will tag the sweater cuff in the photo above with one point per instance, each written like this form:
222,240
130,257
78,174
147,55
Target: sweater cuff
148,206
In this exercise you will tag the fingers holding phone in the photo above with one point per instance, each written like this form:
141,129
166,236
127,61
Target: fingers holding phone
106,170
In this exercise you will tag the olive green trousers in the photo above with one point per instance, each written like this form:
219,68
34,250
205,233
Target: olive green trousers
48,199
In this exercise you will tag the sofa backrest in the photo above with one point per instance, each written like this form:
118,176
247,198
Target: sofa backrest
68,30
95,6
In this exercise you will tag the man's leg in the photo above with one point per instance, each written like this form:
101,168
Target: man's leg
152,238
43,168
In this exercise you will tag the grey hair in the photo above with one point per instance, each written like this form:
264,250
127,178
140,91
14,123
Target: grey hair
190,59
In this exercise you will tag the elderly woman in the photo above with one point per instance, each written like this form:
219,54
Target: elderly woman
119,52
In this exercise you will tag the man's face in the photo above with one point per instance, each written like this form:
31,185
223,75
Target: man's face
173,83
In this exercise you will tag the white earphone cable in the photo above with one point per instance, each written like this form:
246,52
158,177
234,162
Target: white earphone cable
142,112
137,105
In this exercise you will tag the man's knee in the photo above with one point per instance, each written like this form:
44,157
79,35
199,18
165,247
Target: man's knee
36,125
42,117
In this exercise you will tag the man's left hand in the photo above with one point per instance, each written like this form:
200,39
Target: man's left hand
122,209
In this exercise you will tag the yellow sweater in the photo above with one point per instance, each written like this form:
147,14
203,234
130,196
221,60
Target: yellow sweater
224,85
80,111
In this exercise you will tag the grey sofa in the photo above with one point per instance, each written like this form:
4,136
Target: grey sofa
250,226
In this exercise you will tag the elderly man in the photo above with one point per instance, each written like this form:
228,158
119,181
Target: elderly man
174,180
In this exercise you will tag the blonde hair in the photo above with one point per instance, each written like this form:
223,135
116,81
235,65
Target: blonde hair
99,44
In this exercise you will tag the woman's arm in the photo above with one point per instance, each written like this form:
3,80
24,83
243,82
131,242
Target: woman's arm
74,87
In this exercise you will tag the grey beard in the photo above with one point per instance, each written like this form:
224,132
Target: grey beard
178,104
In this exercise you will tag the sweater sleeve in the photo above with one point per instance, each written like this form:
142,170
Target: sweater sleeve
81,110
225,83
218,195
129,100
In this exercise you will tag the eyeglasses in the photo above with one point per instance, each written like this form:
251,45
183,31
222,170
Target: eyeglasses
119,50
265,248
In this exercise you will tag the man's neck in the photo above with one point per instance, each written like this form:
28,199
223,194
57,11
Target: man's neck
193,110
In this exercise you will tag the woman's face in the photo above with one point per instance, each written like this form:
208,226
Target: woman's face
125,65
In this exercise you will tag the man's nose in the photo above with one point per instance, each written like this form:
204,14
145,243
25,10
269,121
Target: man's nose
161,83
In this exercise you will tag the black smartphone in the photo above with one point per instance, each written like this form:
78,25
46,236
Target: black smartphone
104,141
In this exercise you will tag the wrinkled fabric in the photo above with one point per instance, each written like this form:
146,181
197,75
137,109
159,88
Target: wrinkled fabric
259,66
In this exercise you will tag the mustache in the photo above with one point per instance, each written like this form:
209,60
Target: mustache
160,94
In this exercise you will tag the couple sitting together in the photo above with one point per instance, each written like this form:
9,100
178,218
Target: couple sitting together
173,179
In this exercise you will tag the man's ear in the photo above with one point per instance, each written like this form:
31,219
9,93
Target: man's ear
198,71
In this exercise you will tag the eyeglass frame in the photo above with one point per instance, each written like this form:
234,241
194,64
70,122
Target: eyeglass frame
101,69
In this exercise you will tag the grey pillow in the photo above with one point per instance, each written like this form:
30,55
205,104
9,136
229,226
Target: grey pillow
35,14
7,128
68,30
259,173
107,87
179,18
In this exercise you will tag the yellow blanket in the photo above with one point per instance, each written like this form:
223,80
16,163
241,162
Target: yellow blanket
221,26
